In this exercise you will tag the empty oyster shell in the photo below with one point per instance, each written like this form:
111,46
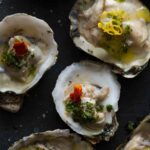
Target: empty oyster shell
52,140
140,138
93,113
27,51
90,27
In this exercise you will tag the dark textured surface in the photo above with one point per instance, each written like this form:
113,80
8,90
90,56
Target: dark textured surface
38,112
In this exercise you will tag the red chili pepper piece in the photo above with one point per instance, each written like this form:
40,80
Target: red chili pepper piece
20,48
76,95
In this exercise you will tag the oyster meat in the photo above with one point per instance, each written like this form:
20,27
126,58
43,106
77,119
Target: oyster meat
86,98
27,50
140,138
116,32
52,140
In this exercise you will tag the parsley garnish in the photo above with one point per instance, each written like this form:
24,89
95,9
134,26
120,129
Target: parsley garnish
109,108
85,112
100,108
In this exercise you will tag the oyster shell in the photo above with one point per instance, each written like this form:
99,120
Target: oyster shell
11,102
37,37
140,138
52,140
86,35
92,77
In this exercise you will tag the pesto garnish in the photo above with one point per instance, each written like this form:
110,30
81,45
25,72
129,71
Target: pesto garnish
126,34
88,112
125,47
127,30
71,107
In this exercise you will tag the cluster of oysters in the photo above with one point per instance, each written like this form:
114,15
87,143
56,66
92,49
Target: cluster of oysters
89,20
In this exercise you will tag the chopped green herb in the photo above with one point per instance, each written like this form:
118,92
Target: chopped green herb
109,108
71,107
131,126
127,30
81,112
100,108
11,60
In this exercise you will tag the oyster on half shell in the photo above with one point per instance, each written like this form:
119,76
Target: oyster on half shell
52,140
140,138
27,51
86,98
116,32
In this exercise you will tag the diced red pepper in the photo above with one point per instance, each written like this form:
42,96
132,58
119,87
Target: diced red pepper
77,93
20,48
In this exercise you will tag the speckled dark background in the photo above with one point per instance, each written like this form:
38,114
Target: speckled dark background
38,112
